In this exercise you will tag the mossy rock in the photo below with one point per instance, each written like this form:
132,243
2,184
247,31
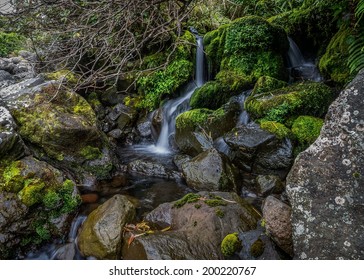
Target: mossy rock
266,83
276,128
306,130
308,98
230,244
211,96
257,248
248,48
68,75
334,63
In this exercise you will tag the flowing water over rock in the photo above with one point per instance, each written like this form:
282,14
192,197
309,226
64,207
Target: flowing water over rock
300,68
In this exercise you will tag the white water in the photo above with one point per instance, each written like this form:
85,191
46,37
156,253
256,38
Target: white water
300,67
179,105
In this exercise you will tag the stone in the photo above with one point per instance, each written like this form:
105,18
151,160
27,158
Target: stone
268,184
101,233
326,184
11,144
211,171
152,169
6,79
180,159
259,151
144,127
277,217
197,229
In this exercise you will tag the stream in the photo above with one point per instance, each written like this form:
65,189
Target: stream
146,192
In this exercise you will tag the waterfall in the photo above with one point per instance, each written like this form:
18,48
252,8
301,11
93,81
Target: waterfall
300,68
179,105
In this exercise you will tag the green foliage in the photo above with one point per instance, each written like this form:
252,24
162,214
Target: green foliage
157,85
356,48
230,244
70,200
51,199
334,63
43,233
10,42
306,130
32,192
280,130
308,98
12,177
188,198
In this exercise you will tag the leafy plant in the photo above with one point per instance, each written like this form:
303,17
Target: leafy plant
10,42
356,48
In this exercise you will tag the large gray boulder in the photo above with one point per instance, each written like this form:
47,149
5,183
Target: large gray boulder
325,185
101,234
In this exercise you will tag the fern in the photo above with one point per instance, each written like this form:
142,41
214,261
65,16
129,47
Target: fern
356,48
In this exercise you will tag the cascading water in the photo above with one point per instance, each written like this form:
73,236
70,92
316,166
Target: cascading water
300,68
177,106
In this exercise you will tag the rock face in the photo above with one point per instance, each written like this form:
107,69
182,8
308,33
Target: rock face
211,171
277,216
101,234
197,228
259,151
151,169
326,184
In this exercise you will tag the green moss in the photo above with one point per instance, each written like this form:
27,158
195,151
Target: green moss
90,153
93,100
216,201
306,129
266,83
307,98
334,63
70,200
81,107
157,85
219,213
257,248
280,130
188,198
211,95
13,179
101,171
233,80
230,244
32,192
192,118
10,42
43,233
51,199
62,74
197,206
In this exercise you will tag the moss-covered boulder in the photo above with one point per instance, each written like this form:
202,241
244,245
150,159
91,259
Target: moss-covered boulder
212,95
334,63
211,171
198,223
308,98
306,129
102,232
266,83
230,244
60,125
38,202
246,49
192,124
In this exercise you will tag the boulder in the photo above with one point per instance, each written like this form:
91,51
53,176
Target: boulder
268,184
6,79
277,217
325,185
59,125
211,171
101,234
151,169
258,151
11,144
199,222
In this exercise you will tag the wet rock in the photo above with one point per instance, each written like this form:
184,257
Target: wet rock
258,151
6,79
157,119
180,159
277,217
144,127
325,185
19,67
256,245
116,133
101,233
197,229
152,169
211,171
122,118
11,144
268,184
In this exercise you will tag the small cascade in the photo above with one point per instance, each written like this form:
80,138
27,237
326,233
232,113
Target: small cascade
179,105
300,68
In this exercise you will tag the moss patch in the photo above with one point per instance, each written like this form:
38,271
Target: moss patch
90,153
211,95
230,244
188,198
306,130
192,118
257,248
69,76
280,130
266,83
